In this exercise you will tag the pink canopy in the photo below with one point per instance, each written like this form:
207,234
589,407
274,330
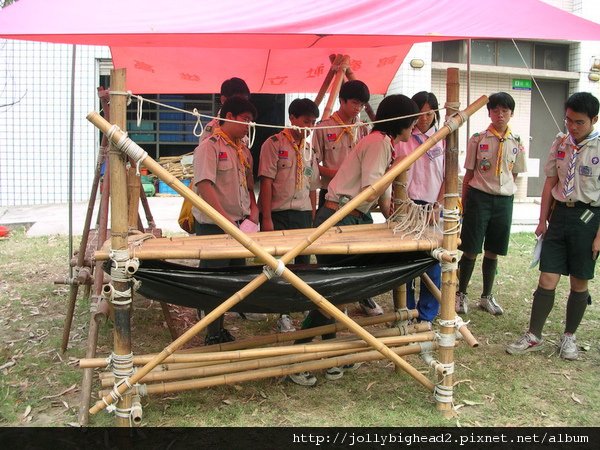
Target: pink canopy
189,46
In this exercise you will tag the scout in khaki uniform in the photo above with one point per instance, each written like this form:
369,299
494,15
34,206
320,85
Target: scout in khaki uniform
229,88
425,186
569,224
365,165
223,178
289,178
494,159
334,139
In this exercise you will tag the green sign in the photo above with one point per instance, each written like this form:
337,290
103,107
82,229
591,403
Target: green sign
521,84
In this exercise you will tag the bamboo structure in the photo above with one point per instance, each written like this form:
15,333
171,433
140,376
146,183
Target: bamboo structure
338,79
278,267
444,390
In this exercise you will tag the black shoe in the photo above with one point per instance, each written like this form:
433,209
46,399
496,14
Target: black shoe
223,336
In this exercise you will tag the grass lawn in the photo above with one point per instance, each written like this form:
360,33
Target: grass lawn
41,387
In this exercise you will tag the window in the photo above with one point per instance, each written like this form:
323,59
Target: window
503,53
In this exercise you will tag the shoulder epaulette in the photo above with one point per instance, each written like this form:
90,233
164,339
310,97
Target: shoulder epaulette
212,139
274,138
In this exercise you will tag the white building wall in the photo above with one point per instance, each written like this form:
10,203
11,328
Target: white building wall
35,121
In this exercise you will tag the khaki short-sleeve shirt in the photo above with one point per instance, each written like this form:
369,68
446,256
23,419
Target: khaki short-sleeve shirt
482,156
587,169
330,150
218,162
365,165
278,161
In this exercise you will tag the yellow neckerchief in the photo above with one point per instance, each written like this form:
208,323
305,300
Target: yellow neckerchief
299,163
492,130
244,164
350,130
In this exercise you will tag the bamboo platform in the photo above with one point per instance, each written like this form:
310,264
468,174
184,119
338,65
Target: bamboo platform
339,240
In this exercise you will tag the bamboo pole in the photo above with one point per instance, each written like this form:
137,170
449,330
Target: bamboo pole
335,86
336,61
447,313
133,150
275,357
119,227
368,109
257,341
280,371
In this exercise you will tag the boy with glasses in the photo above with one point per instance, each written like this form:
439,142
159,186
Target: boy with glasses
494,159
569,224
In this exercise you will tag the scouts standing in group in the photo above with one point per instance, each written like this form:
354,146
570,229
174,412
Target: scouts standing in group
494,159
569,225
365,165
425,186
223,178
289,178
334,139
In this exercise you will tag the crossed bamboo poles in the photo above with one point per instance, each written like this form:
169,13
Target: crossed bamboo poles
139,156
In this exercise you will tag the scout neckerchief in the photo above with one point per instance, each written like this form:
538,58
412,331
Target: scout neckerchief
345,129
244,164
569,184
501,139
299,162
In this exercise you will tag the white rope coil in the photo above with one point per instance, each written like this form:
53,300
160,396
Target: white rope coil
443,394
270,272
446,340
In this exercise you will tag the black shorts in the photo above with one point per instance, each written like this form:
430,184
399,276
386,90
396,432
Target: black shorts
567,246
486,222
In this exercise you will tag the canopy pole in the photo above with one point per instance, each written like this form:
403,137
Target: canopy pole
139,155
335,85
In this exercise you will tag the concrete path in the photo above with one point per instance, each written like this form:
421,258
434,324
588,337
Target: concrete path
43,220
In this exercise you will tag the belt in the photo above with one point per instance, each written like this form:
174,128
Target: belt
571,204
335,206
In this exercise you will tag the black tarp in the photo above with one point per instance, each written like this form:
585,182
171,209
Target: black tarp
352,279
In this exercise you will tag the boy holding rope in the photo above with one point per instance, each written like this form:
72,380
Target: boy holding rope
289,178
494,159
569,224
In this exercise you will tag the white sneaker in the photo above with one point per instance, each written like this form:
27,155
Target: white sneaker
526,343
370,307
461,303
568,347
284,324
489,304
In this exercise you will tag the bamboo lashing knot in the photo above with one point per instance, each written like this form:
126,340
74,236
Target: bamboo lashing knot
443,394
449,266
446,339
437,366
452,105
122,365
270,272
128,94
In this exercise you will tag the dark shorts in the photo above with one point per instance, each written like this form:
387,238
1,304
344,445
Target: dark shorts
486,223
203,229
567,246
291,219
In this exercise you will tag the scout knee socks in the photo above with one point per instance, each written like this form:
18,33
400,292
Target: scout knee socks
576,305
543,301
465,266
488,272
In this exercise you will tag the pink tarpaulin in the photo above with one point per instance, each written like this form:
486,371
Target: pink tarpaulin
276,46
